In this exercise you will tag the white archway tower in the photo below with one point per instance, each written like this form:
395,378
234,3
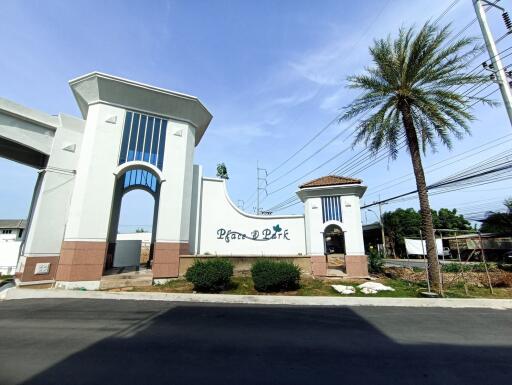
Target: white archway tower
334,200
172,124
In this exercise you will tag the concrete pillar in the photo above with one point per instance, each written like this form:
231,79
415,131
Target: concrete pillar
50,207
86,238
172,233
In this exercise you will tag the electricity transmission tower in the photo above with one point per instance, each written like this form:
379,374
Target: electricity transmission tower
259,187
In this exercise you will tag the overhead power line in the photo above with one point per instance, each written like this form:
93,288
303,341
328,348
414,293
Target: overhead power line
350,51
362,161
500,166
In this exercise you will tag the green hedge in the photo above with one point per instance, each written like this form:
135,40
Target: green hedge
210,276
272,276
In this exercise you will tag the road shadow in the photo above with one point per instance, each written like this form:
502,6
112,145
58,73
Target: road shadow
206,344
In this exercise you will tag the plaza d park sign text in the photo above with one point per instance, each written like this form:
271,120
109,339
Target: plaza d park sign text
276,232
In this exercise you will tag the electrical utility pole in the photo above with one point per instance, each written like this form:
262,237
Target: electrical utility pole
382,230
259,178
496,64
381,225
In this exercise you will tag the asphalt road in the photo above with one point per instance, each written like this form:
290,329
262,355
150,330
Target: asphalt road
54,341
418,263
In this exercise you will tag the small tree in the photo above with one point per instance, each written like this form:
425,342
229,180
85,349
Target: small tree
405,223
449,219
499,222
222,171
140,230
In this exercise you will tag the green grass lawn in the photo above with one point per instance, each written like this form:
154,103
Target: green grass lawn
318,287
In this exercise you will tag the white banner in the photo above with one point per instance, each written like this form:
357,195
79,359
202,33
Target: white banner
9,251
415,247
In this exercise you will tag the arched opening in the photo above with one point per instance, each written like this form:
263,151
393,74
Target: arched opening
334,244
334,240
133,219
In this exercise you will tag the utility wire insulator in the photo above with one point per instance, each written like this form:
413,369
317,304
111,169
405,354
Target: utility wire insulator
508,22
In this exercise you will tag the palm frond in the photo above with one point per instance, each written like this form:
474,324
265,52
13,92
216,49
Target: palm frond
425,71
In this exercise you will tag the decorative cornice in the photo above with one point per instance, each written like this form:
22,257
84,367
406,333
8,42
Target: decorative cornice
97,87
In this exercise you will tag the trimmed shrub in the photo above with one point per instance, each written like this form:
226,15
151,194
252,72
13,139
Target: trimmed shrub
210,276
455,267
272,276
375,262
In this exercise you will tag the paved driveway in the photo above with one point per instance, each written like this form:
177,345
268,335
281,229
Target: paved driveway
418,263
55,341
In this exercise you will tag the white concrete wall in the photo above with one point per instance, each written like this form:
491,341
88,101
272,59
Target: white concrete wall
143,237
176,190
314,226
45,226
351,211
226,230
9,237
91,203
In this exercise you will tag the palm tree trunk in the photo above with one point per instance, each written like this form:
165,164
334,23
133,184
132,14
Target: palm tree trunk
421,185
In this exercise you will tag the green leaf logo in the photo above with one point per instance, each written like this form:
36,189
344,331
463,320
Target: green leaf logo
277,228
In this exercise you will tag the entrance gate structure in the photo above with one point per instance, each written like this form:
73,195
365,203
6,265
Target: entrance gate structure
132,136
135,136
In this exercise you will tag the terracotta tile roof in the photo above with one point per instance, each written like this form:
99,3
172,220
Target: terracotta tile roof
330,180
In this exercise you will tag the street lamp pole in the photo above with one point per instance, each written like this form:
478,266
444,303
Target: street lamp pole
381,229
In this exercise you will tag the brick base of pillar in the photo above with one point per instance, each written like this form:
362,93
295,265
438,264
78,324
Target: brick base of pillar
81,261
166,258
319,265
29,273
356,265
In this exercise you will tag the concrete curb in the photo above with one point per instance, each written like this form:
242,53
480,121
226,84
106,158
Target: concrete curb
17,293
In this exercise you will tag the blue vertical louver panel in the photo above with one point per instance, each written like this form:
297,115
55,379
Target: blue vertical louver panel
141,178
331,209
143,139
148,139
140,137
156,137
126,137
161,145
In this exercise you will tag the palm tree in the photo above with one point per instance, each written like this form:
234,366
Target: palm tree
413,95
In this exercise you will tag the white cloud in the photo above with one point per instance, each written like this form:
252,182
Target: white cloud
245,133
325,65
294,99
333,102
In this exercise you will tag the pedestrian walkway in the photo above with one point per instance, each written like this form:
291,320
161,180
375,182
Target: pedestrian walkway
18,293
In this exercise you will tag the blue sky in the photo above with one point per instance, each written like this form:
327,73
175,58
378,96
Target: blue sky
271,72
